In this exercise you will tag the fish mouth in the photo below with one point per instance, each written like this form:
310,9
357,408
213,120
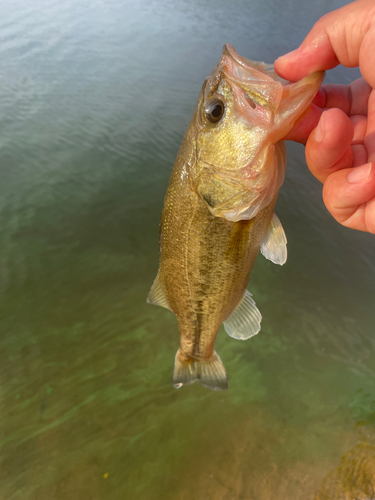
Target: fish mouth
257,80
258,70
253,86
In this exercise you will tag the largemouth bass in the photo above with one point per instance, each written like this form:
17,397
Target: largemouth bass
219,208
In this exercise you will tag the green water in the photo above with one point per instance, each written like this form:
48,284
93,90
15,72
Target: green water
95,97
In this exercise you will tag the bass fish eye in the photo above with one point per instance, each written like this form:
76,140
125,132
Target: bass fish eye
214,110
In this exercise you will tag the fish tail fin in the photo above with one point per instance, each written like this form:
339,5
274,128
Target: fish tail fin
185,370
210,372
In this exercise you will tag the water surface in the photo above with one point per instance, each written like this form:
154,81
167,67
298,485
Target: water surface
95,98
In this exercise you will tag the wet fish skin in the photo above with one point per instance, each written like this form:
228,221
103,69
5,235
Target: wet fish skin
219,208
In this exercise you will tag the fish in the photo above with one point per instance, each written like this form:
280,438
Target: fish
218,210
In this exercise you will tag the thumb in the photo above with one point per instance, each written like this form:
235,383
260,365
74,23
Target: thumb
336,38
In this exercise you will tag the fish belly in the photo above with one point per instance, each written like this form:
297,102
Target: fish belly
205,263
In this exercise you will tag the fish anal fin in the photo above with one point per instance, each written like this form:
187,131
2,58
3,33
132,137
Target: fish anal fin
244,322
210,372
274,245
156,295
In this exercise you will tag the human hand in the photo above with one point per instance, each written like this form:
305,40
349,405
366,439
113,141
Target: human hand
340,142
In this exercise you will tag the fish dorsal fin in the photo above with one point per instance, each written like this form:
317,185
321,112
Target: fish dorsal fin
156,295
244,322
274,244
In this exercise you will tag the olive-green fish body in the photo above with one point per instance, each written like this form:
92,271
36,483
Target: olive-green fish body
219,209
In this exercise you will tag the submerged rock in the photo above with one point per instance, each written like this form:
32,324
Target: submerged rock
354,478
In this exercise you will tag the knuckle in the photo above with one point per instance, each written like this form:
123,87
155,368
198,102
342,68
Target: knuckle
329,195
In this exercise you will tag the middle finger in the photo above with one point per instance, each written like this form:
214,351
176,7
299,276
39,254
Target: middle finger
352,99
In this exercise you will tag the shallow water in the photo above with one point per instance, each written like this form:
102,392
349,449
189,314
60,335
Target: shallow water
95,98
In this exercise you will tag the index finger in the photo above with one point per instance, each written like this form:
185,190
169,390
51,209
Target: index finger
351,99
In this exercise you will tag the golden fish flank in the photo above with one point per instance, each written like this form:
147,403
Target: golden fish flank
219,208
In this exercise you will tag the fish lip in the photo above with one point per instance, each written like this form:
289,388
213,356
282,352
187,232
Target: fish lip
230,51
257,80
258,70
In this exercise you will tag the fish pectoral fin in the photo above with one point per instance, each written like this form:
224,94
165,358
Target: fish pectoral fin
210,372
274,245
225,197
156,295
244,322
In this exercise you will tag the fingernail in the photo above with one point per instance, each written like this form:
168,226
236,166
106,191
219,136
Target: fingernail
288,55
320,131
360,174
